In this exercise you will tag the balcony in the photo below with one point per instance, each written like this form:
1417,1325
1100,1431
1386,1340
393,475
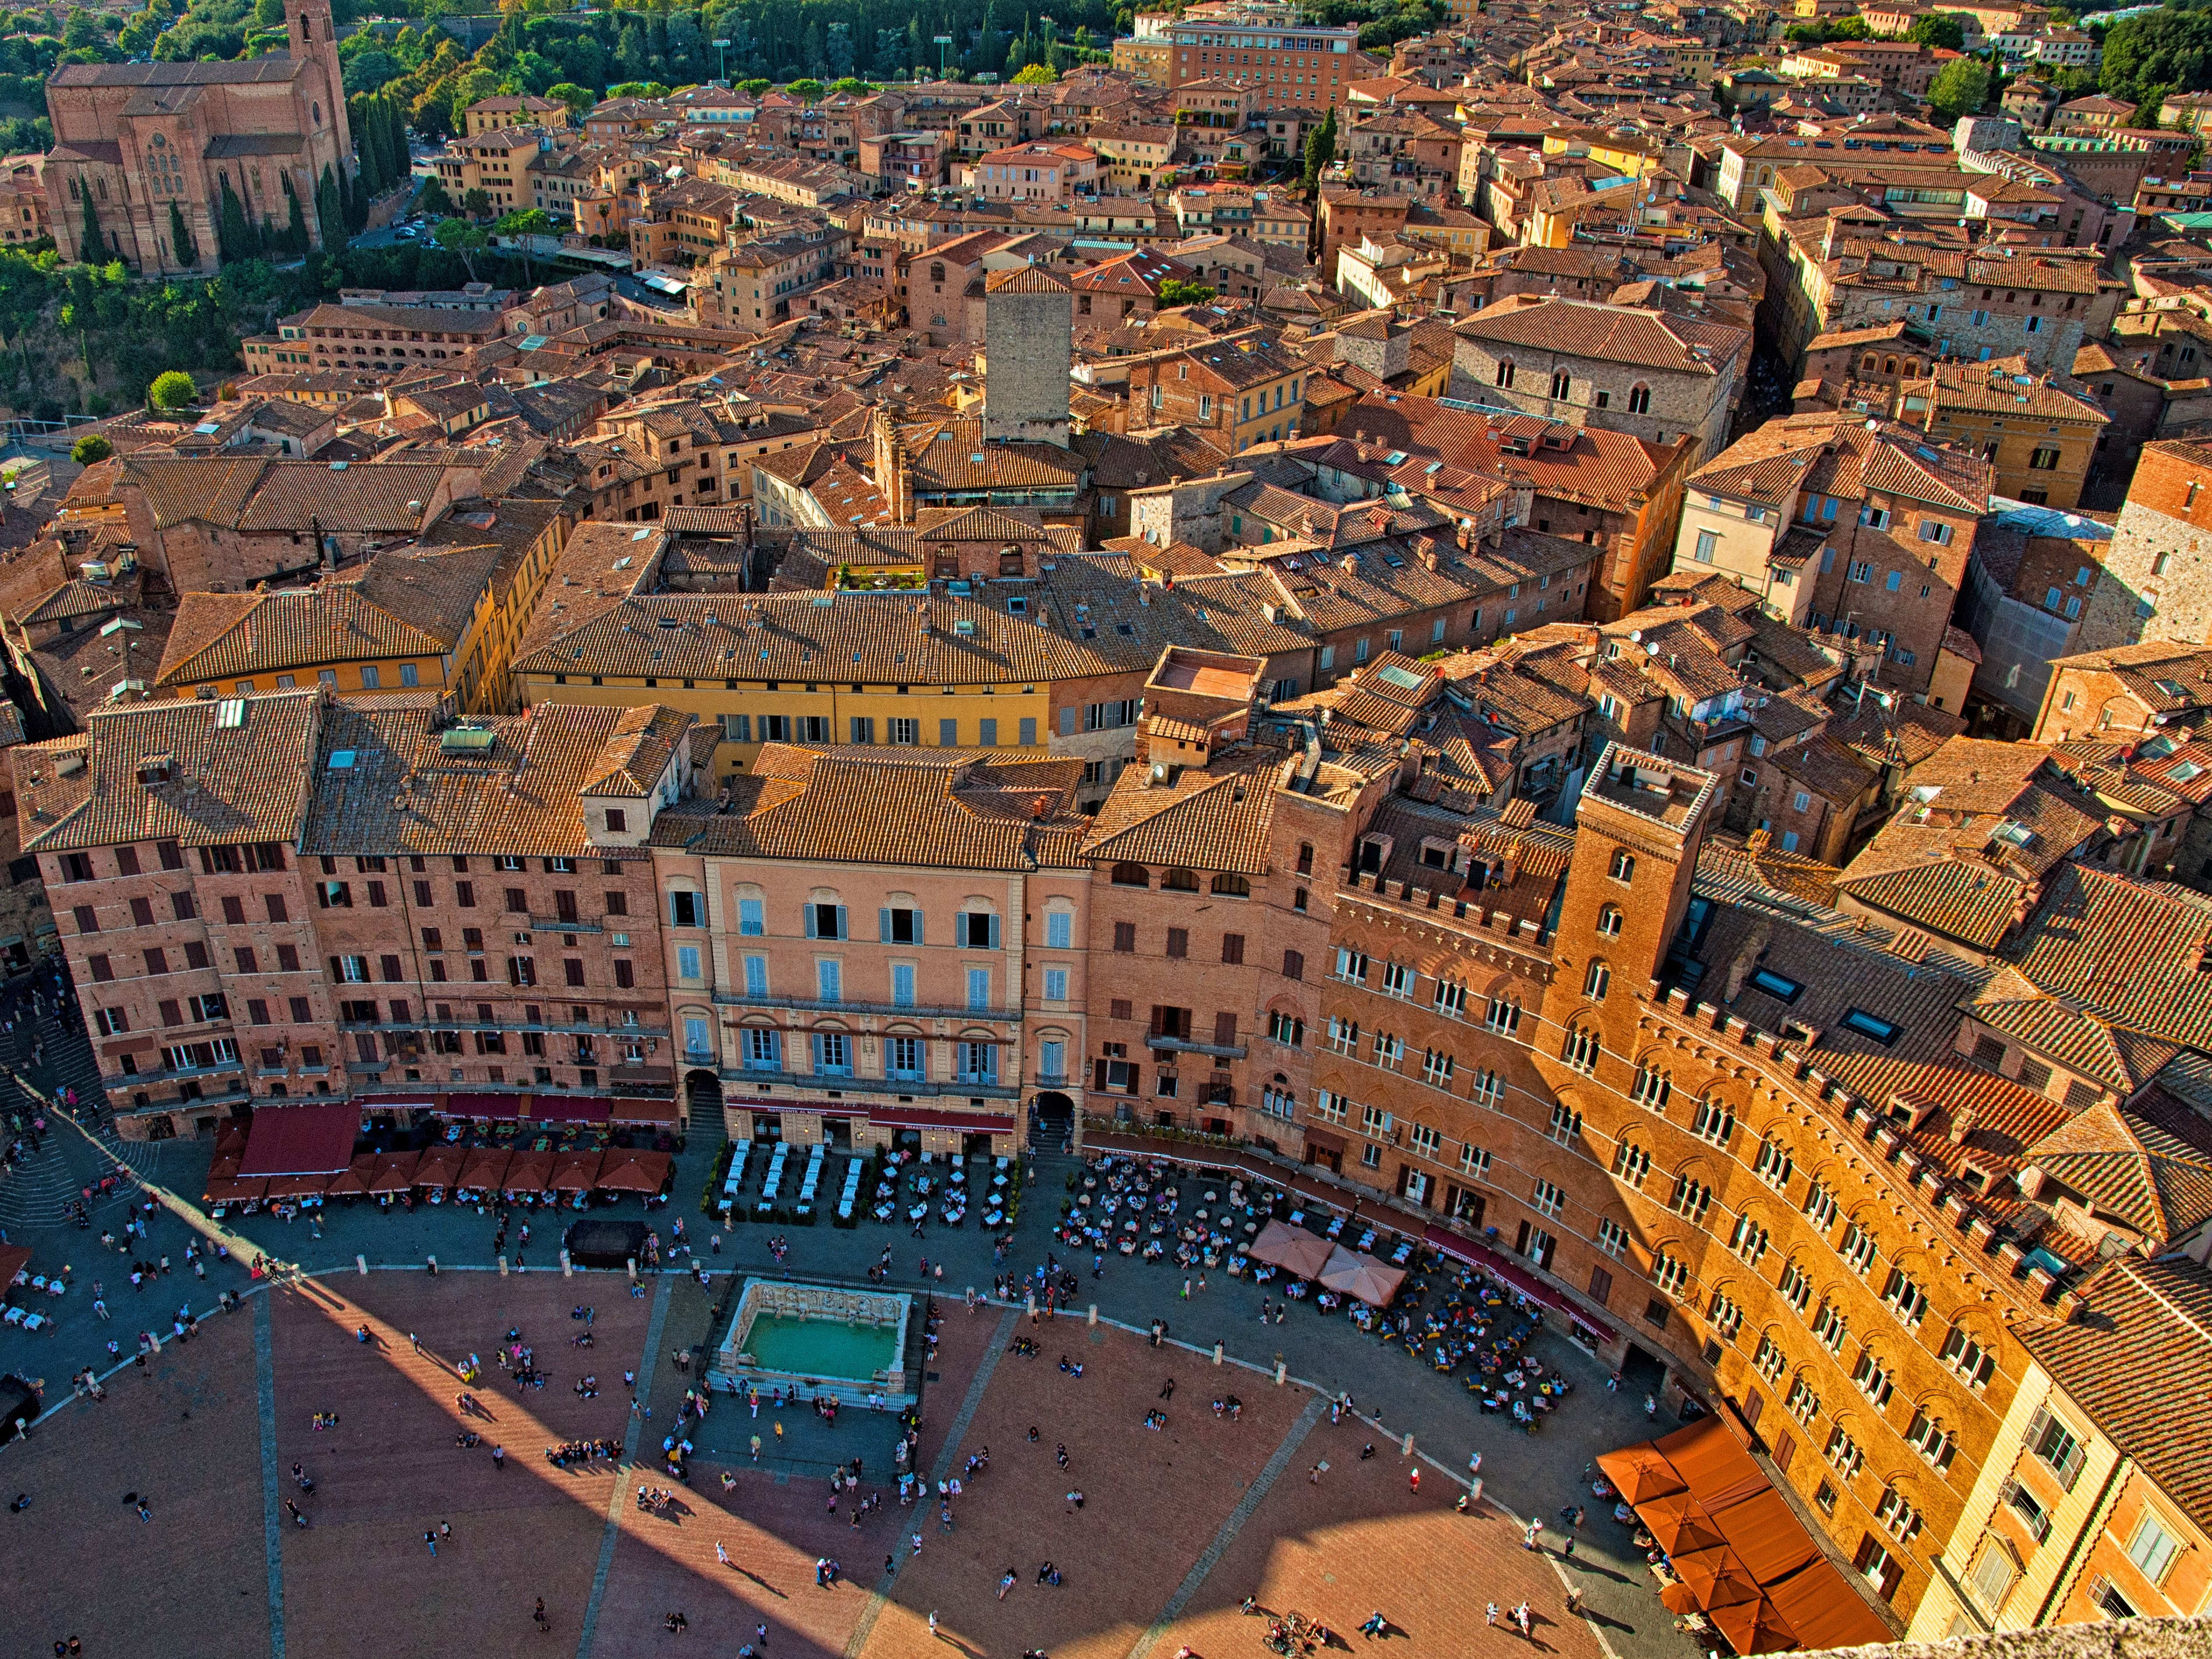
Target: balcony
867,1085
911,1011
621,1032
570,924
1052,1079
1173,1045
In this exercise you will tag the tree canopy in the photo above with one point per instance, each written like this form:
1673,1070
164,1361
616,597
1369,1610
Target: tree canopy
1959,89
172,390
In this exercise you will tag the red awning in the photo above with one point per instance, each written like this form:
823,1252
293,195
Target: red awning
643,1111
14,1258
906,1117
1489,1261
568,1108
484,1106
299,1140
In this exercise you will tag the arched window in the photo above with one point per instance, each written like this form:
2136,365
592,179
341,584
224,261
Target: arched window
1179,881
1580,1050
1889,365
1131,875
937,273
1622,867
1639,400
316,110
1608,921
1561,383
1911,365
1506,371
306,27
1652,1087
1231,886
1869,363
1597,980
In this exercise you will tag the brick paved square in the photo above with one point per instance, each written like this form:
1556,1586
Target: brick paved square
1361,1542
192,1582
360,1580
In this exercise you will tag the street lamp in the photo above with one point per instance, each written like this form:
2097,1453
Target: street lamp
943,42
722,57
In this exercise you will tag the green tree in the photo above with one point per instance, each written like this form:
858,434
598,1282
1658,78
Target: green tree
295,222
1320,148
477,204
2168,48
1958,89
1175,291
329,212
579,100
234,237
180,239
522,224
459,236
434,198
172,390
1944,29
754,88
808,91
91,449
1037,75
95,249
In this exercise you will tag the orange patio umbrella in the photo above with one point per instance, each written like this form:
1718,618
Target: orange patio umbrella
1640,1472
1679,1597
1715,1576
1679,1523
1753,1626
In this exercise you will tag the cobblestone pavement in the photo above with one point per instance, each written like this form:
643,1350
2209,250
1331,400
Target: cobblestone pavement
1525,1475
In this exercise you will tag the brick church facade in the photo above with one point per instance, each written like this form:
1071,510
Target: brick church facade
139,137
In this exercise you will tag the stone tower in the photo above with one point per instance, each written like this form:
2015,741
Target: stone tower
1029,329
314,40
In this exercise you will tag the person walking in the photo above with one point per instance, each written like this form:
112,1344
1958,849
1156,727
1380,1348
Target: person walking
538,1613
430,1538
933,1623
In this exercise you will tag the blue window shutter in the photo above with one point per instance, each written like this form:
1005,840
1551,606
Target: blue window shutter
843,932
1067,722
883,925
1029,730
810,931
994,933
921,933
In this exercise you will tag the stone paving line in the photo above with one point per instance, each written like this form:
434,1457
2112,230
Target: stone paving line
1230,1526
646,1367
955,1432
272,1520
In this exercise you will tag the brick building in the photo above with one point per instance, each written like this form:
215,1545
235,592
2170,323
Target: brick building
140,148
2158,566
292,895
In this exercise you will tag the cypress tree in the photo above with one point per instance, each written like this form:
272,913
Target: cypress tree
233,236
329,212
95,249
180,239
395,138
356,205
295,223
